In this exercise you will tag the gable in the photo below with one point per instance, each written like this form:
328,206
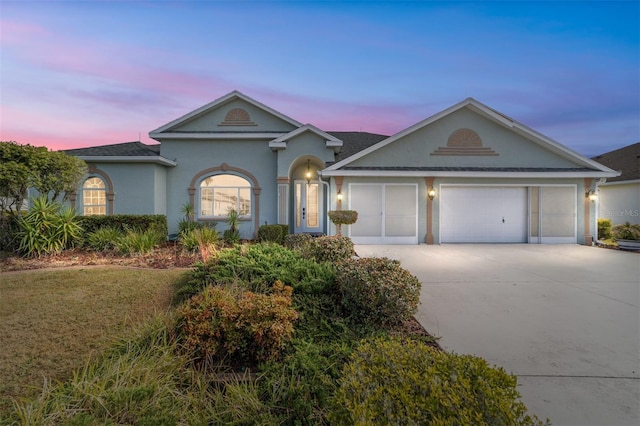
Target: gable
468,137
233,113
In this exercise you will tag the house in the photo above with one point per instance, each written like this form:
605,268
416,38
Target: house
619,197
467,174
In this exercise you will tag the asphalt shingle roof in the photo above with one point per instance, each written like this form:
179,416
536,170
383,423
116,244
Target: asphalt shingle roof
126,149
354,142
625,160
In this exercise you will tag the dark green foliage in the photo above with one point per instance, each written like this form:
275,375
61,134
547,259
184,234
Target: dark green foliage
104,239
8,230
47,228
298,242
259,265
273,233
398,382
626,232
125,222
605,230
236,326
377,291
193,237
139,242
333,249
231,237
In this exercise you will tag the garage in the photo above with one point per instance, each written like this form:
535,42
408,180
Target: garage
483,214
387,213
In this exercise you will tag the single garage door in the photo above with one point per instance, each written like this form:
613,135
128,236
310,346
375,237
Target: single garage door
483,214
387,213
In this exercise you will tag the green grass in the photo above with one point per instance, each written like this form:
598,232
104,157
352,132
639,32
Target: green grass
53,322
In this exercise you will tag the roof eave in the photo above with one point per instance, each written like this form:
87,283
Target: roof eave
475,174
127,159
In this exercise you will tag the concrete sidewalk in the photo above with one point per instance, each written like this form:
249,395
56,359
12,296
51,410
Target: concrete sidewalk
564,318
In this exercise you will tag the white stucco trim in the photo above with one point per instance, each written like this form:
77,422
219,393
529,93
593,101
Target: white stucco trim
216,135
127,159
217,103
281,142
496,117
620,182
419,173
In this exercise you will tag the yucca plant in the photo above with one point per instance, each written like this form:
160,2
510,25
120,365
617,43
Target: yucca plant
104,239
47,228
139,242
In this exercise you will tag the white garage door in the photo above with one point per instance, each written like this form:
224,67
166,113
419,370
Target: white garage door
387,213
476,214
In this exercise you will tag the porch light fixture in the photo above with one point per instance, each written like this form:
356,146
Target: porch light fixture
308,174
431,193
339,195
592,195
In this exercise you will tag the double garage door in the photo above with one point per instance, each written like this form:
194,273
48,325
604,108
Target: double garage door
507,214
387,213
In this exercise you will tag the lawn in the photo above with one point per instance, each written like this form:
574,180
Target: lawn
53,321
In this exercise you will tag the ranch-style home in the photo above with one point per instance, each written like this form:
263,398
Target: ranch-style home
468,174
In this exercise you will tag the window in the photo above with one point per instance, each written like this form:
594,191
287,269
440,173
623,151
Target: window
221,193
94,197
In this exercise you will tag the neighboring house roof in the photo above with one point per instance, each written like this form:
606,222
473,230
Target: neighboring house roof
125,152
488,113
625,160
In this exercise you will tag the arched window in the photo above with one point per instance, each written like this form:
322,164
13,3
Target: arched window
94,197
221,193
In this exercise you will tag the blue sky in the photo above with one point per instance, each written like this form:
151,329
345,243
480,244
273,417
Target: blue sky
84,73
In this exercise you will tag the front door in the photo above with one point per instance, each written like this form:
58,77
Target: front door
308,207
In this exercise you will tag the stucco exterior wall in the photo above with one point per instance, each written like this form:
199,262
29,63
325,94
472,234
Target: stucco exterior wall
620,202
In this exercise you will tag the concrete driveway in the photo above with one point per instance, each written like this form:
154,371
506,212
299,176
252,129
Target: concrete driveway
564,318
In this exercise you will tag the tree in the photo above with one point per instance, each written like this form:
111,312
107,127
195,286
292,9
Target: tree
52,173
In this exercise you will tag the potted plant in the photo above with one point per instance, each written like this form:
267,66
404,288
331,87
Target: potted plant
342,217
627,236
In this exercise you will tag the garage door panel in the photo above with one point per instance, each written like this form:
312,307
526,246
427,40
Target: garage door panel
483,214
387,213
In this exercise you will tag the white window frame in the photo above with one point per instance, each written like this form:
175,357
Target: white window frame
85,190
223,215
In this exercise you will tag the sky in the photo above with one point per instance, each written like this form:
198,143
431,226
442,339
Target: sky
94,72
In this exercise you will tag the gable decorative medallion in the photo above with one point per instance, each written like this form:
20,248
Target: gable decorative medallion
464,142
237,117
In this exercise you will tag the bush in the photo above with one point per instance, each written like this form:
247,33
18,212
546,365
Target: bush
298,242
393,381
104,239
605,230
377,291
239,326
331,249
273,233
47,228
125,222
193,238
8,230
342,217
139,242
258,266
230,237
626,232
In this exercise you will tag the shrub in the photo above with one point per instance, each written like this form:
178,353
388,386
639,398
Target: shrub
260,265
8,230
298,242
193,238
377,291
104,239
231,237
240,326
342,217
273,233
605,230
626,232
393,381
331,249
47,228
125,222
139,242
